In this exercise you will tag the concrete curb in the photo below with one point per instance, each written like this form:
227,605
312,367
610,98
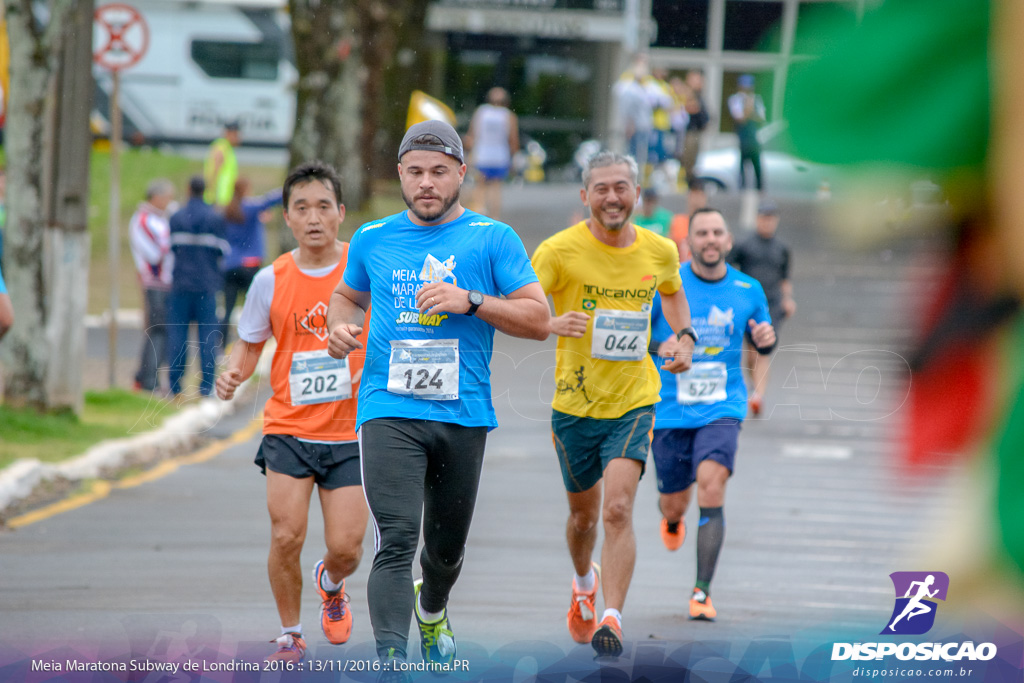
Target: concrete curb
180,433
126,318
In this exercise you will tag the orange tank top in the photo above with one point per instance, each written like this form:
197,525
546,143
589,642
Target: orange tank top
305,380
678,231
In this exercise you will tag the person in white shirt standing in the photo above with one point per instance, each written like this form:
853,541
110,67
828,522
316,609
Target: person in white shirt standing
149,235
493,139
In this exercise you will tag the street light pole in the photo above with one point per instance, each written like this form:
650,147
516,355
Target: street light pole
114,251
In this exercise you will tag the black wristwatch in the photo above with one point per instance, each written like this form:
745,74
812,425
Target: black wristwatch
687,331
476,297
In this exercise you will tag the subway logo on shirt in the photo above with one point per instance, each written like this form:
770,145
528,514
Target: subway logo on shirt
417,318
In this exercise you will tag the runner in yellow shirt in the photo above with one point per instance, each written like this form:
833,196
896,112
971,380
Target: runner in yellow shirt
602,274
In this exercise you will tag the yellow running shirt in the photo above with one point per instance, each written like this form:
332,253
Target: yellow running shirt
607,372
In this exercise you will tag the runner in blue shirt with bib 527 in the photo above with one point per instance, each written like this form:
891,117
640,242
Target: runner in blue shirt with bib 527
697,423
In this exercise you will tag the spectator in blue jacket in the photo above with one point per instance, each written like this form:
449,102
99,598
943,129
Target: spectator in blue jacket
198,243
245,222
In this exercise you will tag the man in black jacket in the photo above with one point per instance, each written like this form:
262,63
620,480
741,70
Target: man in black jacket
765,257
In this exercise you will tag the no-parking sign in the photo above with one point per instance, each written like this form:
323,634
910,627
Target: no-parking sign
120,36
120,39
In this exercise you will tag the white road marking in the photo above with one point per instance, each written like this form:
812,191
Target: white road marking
818,451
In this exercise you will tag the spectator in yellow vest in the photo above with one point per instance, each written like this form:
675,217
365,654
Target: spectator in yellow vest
221,168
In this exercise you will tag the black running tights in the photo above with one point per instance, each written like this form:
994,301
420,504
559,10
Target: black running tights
416,470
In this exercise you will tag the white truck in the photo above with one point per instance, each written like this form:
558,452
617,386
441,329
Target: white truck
207,62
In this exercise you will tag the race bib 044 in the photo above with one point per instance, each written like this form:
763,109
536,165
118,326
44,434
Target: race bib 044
620,335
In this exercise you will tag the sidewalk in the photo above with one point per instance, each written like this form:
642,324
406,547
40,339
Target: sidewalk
96,371
27,483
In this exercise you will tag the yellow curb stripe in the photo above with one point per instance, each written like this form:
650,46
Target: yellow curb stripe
101,489
161,470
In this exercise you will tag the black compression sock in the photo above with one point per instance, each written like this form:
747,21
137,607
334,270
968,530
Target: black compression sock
710,533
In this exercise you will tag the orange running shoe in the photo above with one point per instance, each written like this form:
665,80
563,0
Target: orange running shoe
335,616
582,617
701,607
290,648
755,403
673,541
607,640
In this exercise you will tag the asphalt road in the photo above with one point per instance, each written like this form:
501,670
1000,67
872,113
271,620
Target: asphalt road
818,515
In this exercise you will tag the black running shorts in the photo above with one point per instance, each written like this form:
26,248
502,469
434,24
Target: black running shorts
331,465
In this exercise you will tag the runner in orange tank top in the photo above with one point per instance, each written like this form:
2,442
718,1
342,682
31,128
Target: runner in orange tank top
309,422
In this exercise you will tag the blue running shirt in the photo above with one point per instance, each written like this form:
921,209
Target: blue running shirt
392,258
720,312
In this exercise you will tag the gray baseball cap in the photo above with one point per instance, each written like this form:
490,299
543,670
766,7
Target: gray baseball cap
451,143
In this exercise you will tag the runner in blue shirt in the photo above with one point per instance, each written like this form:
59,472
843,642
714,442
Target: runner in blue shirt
697,423
440,279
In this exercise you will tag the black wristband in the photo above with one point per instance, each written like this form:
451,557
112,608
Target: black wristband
761,350
689,332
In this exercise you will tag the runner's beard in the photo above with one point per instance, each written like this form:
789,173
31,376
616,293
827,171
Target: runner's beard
710,264
446,204
620,224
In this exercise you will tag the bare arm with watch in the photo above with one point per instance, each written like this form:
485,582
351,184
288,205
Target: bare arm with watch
523,313
679,348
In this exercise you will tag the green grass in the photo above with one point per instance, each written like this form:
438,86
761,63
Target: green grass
138,168
119,413
55,437
141,165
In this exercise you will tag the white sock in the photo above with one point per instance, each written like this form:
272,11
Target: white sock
429,617
612,613
285,630
327,584
586,583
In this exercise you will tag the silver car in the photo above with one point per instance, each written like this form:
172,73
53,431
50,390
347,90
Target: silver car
783,173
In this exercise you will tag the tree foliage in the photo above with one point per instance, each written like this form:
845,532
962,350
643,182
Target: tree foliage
351,95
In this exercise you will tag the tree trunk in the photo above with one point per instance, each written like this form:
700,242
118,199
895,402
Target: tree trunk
344,50
329,101
47,241
379,20
412,66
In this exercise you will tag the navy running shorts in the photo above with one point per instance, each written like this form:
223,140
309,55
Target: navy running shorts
585,445
331,465
678,452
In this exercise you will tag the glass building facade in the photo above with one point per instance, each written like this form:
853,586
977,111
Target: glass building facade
560,58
